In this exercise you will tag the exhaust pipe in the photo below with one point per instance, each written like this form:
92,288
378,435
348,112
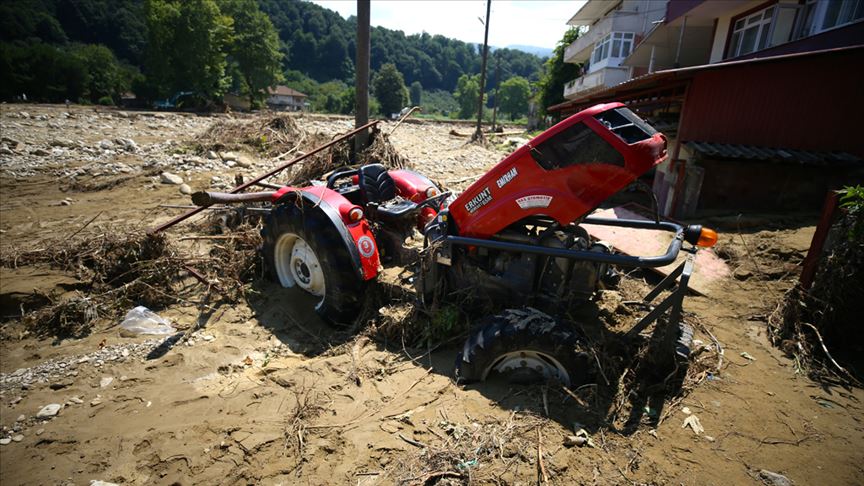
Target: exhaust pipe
204,198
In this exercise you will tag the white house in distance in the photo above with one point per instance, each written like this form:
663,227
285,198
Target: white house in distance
614,28
283,98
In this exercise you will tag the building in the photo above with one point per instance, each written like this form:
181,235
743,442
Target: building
283,98
759,101
613,29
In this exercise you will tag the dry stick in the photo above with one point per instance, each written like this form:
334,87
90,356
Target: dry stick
418,380
825,349
406,115
541,468
85,225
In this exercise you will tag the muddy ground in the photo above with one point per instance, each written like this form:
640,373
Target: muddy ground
262,394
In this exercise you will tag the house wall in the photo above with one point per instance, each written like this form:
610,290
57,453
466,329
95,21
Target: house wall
809,102
766,186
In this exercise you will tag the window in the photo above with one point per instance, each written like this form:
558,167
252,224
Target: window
626,125
576,145
615,45
751,33
822,15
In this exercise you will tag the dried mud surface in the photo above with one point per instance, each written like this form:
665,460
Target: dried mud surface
262,395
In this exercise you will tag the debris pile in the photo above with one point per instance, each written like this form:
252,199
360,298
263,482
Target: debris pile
809,322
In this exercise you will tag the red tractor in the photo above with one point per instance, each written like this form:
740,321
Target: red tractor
512,241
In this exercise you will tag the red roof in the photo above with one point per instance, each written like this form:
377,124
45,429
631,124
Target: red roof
285,91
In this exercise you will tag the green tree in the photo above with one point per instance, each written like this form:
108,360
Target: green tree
255,49
416,92
187,47
557,72
514,94
389,87
467,91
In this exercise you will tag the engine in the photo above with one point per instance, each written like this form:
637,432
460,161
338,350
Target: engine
508,278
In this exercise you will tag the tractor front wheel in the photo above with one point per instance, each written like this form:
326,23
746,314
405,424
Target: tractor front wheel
524,346
302,248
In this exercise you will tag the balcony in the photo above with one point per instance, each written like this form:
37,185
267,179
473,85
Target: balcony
609,76
580,50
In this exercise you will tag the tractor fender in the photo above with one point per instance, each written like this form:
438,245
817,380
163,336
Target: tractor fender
357,238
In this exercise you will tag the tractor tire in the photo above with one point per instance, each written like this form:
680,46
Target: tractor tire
524,346
303,248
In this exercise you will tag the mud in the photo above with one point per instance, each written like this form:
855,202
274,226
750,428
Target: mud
257,393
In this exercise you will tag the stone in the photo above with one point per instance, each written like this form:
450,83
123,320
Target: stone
18,438
106,381
40,431
5,441
212,155
96,401
97,482
185,189
169,178
572,440
742,274
21,418
60,385
49,410
774,478
245,161
40,152
106,145
76,400
229,156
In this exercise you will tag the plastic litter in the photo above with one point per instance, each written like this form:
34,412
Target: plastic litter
142,320
694,423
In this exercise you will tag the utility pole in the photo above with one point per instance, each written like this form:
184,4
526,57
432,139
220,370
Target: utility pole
478,135
497,88
361,94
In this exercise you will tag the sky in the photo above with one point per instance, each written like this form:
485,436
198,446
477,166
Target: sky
537,23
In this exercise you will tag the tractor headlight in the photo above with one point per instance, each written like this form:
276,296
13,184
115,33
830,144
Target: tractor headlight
432,192
356,214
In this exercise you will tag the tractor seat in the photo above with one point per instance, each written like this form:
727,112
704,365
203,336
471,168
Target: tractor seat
395,210
376,185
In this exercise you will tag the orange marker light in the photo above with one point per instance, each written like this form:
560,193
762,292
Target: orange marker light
707,238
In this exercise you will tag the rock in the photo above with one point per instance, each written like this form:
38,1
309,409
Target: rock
229,156
5,441
40,152
185,189
169,178
21,418
742,274
96,401
128,144
49,410
207,337
18,438
106,145
106,381
60,384
573,440
76,400
245,161
97,482
212,155
15,400
40,431
774,478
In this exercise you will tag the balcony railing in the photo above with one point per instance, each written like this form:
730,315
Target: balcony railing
609,76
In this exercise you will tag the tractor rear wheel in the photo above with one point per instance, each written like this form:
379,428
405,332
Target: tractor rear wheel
524,346
302,248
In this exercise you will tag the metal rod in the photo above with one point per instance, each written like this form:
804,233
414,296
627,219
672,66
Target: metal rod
361,83
204,198
273,172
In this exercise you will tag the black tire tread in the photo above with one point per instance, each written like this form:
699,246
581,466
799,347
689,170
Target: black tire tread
518,329
343,287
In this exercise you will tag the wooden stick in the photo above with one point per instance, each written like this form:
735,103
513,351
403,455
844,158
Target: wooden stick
541,468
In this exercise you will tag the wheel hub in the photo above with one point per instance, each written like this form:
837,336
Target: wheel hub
525,366
296,263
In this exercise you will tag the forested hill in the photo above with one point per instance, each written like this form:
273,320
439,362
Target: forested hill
321,44
315,41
